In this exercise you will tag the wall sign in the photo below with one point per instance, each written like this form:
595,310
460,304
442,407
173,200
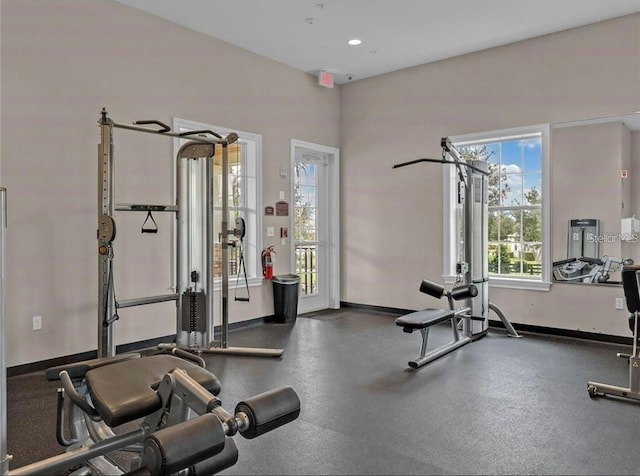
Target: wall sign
282,209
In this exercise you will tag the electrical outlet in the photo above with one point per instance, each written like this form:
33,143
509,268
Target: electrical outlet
619,303
37,322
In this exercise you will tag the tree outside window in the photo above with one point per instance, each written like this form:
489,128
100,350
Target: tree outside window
515,203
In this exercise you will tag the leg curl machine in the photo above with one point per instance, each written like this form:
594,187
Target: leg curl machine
183,424
182,427
631,286
472,268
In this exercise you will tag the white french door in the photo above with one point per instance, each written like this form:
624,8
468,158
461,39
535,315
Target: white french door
315,225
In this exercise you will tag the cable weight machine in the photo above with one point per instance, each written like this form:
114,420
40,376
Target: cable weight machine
194,213
472,267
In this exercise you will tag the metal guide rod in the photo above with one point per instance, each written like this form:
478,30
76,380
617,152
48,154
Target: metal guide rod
146,300
4,458
224,245
209,250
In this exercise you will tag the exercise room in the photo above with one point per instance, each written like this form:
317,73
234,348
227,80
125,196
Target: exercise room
313,237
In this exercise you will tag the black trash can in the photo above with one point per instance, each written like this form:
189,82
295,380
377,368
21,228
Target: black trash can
285,298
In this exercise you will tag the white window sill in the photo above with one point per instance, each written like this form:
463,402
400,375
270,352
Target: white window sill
515,283
253,282
510,283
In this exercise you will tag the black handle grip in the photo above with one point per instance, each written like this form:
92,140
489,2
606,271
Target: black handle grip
432,289
179,446
269,410
163,126
202,131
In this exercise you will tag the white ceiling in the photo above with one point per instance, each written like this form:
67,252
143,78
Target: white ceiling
395,34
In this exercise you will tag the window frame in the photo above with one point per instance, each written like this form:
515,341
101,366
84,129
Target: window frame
449,201
253,197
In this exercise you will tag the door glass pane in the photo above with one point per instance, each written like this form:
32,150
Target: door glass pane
306,226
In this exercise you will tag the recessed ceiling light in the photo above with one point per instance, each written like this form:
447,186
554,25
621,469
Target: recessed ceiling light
354,42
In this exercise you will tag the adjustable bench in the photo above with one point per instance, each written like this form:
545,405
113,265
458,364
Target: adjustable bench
423,320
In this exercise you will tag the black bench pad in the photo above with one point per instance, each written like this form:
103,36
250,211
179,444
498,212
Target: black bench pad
424,318
79,369
125,391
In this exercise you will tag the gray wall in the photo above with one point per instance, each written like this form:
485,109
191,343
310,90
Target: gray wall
392,219
61,62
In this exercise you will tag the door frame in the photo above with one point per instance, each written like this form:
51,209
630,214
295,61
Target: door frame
333,222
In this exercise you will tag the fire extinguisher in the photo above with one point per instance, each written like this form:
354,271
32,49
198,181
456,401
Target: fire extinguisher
267,262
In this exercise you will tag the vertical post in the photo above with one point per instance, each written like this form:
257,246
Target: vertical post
209,249
476,241
4,458
106,304
182,257
224,245
306,270
314,250
467,237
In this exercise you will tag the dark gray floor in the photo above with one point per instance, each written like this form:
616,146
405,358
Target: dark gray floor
495,406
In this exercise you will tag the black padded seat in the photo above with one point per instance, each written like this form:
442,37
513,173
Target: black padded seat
424,318
125,391
79,369
630,286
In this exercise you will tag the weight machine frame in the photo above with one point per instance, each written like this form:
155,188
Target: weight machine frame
194,171
472,266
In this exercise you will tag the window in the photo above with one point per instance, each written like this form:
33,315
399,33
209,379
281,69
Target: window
245,197
518,204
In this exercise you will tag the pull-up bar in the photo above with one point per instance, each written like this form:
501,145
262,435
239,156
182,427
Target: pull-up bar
459,163
165,130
